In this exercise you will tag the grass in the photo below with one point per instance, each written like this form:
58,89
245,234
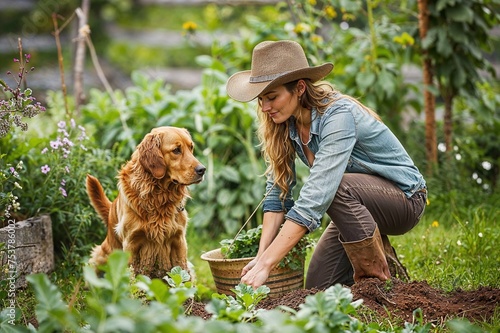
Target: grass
461,253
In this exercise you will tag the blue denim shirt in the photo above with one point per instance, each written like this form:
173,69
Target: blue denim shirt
345,138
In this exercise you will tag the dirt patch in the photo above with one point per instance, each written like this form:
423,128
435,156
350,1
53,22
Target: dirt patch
398,300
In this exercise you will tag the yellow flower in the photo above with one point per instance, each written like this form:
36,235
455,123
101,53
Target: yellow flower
302,28
312,2
348,17
316,39
428,202
189,26
330,12
404,40
435,224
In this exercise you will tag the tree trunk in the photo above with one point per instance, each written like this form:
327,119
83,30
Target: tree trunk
429,100
80,54
28,250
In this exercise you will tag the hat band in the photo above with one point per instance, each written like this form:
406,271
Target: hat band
265,78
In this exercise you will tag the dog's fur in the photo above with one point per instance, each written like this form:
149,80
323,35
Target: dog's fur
148,218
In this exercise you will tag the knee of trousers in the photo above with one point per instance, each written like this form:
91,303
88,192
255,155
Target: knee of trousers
343,200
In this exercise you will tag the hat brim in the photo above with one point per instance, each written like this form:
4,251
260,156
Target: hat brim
239,88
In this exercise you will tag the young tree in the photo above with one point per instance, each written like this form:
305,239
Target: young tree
457,38
429,99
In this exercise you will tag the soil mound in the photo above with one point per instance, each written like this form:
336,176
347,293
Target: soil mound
399,299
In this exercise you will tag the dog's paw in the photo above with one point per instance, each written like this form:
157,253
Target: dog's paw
191,272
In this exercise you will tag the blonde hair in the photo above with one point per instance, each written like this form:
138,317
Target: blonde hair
276,145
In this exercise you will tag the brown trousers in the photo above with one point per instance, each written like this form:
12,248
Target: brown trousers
362,202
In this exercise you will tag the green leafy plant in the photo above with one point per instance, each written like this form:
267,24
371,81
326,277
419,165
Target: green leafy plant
329,311
242,308
246,245
112,303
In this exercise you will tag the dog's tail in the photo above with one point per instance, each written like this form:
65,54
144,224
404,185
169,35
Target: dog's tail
98,198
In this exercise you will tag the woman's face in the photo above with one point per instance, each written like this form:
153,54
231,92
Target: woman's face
279,104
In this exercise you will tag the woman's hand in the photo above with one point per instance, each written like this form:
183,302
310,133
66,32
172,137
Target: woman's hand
248,267
289,235
256,276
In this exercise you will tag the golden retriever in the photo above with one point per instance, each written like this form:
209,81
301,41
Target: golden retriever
148,218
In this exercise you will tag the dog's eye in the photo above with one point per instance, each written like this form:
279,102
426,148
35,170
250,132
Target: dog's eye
177,151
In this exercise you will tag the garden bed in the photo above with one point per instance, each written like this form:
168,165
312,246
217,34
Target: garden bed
400,300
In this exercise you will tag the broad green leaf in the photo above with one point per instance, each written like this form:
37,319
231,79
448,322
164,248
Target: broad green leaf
52,313
159,289
117,269
456,33
458,77
463,326
119,324
92,279
365,80
246,198
226,197
443,46
430,38
441,4
387,82
6,322
238,211
459,13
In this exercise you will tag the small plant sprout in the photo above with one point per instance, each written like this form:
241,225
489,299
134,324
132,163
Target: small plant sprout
388,285
177,277
242,308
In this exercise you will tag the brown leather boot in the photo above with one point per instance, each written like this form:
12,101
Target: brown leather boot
367,257
395,266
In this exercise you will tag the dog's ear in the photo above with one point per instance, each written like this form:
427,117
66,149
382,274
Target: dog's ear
151,157
187,132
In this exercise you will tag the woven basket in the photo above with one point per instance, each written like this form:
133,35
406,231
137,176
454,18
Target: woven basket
227,275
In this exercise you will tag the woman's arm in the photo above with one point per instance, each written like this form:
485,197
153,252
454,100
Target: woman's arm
270,226
287,238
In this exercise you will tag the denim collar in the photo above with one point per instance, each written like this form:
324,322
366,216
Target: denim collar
294,134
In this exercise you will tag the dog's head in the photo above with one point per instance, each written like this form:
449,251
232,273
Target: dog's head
167,153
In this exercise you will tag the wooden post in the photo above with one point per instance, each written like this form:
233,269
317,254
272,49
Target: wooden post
28,248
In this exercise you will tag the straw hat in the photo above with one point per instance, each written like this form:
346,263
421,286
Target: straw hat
273,64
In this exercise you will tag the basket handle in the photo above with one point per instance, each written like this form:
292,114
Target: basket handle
251,215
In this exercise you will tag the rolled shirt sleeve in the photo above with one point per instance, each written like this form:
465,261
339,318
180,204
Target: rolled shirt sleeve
337,138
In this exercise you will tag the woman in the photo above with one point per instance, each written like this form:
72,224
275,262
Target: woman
360,174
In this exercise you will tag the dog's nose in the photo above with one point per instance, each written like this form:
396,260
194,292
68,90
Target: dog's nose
200,169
